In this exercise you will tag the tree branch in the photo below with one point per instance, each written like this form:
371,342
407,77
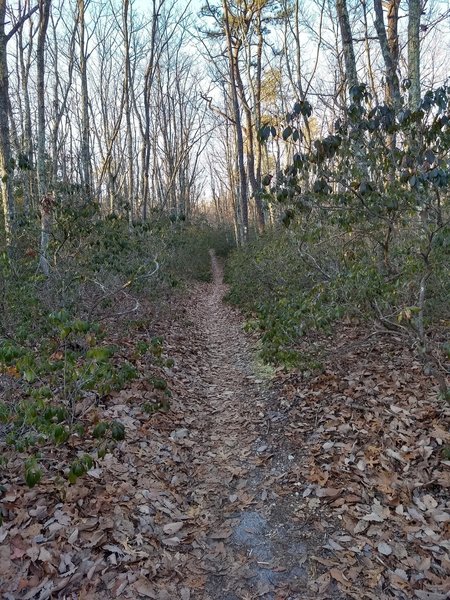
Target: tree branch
20,22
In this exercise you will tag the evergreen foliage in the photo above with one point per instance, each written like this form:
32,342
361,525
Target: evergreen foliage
366,231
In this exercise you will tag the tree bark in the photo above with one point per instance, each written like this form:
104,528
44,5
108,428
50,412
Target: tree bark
5,147
45,200
388,39
44,13
347,43
414,53
127,97
232,51
86,180
27,130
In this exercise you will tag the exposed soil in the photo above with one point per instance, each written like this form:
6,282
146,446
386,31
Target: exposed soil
256,547
245,489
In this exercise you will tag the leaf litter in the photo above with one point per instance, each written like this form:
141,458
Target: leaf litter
335,486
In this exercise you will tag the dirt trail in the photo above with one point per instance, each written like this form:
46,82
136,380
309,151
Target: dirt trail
194,504
253,550
325,487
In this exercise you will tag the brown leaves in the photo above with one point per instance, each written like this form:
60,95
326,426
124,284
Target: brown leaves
145,589
384,549
172,528
371,432
348,486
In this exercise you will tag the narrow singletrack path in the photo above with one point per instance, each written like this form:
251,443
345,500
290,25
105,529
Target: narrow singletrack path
228,488
249,548
194,504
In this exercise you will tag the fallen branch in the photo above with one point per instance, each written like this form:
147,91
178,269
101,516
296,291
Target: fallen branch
121,289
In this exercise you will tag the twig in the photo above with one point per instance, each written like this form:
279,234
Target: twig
121,289
386,322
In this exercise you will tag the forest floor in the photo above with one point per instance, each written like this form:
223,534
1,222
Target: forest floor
255,484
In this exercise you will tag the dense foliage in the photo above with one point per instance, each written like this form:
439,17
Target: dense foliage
367,231
57,350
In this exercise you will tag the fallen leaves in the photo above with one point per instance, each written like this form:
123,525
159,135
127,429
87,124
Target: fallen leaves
145,589
384,549
372,433
152,518
378,514
351,480
327,492
172,528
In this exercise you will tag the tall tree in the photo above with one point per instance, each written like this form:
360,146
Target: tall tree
389,44
5,143
45,199
347,44
233,53
6,164
415,8
154,54
24,57
127,83
62,54
85,151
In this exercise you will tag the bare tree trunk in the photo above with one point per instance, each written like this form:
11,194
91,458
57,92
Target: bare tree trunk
347,43
414,53
27,131
60,104
232,59
44,12
253,119
44,198
127,97
86,180
257,100
145,132
5,147
388,39
368,51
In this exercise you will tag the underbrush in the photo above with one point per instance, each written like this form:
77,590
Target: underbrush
300,282
188,251
69,340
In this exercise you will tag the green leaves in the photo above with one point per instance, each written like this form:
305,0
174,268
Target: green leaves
264,133
365,187
321,186
100,430
60,317
303,107
80,467
117,431
33,473
358,93
158,383
60,434
293,132
99,354
10,351
287,217
55,359
80,326
287,133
